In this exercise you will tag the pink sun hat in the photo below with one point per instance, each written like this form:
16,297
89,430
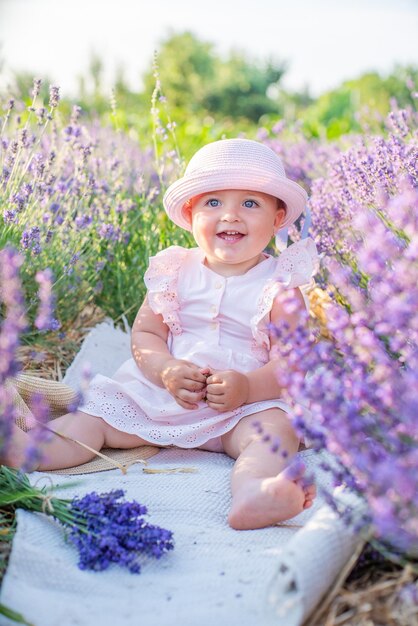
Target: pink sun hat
234,164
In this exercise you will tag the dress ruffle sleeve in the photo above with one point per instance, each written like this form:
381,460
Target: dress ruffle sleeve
161,281
295,267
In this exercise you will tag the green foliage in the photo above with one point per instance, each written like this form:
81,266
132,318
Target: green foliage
122,277
365,100
199,82
241,89
333,114
187,70
376,92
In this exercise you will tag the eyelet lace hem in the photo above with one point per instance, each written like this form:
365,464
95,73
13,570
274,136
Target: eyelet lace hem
125,415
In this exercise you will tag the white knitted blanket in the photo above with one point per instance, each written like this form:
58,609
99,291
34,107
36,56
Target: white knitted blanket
215,575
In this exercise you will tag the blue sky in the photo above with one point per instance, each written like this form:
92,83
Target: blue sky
322,41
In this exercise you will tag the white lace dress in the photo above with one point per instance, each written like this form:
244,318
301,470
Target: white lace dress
213,321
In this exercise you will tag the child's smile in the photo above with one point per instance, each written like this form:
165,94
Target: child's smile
233,227
230,236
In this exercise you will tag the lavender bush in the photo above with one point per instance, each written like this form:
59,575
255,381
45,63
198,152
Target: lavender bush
80,214
82,200
13,325
362,382
372,170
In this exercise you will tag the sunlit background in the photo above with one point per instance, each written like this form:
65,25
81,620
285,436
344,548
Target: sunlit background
322,42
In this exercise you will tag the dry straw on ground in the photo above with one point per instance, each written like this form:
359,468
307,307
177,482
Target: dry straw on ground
377,598
51,355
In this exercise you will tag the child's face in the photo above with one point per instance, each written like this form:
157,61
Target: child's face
233,227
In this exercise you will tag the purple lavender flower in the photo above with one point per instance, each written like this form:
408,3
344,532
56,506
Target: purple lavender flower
296,470
45,319
37,434
107,531
31,240
12,326
14,323
37,82
10,216
54,96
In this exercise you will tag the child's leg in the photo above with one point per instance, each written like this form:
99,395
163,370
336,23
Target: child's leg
59,453
261,493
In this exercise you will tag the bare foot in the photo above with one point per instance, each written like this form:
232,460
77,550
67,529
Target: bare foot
261,502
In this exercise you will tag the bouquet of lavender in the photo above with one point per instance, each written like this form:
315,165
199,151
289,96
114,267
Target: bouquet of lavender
104,528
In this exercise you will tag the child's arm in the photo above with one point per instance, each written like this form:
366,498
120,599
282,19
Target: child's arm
149,343
149,347
230,389
263,382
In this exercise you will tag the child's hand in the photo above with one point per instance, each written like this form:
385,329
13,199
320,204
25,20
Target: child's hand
226,390
185,381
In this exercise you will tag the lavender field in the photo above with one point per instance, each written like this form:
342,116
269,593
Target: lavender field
81,212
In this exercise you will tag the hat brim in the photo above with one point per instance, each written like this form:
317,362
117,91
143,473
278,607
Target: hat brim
193,185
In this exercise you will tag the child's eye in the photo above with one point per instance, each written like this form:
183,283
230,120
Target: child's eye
213,202
250,204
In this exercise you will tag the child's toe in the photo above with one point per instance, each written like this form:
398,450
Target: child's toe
311,492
